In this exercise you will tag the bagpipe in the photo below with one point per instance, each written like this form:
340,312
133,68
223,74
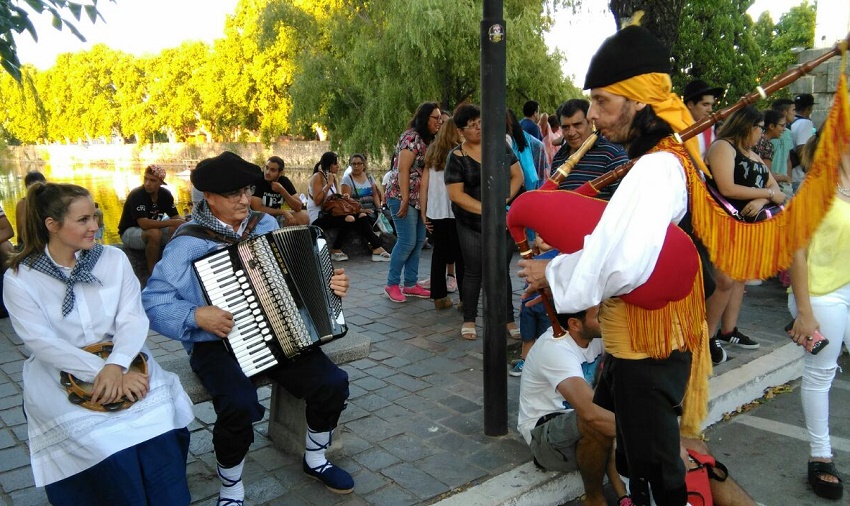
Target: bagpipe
742,250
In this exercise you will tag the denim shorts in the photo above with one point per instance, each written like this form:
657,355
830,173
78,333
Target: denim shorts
533,322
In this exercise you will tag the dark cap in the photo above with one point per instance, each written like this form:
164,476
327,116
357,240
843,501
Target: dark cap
224,173
630,52
803,100
698,88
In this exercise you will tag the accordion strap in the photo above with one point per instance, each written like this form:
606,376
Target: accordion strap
195,230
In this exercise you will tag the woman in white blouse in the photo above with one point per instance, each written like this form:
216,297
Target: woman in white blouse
65,292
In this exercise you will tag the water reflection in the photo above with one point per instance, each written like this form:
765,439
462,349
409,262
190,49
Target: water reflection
109,185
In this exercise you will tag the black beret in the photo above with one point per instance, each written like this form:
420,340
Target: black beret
224,173
697,89
630,52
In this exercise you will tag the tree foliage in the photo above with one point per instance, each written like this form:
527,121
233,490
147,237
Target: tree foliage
15,19
795,30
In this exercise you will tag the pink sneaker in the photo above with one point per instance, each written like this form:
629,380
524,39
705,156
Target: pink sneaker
394,293
417,291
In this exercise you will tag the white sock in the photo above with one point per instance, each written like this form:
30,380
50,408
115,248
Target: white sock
231,482
317,445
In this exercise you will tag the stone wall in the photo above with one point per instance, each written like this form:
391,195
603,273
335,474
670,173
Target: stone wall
821,83
296,154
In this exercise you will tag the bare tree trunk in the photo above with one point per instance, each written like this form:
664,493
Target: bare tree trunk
661,17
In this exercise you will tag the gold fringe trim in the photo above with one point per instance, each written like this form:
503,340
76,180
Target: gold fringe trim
760,250
653,332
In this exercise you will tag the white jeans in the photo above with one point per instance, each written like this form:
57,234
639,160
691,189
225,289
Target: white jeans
832,311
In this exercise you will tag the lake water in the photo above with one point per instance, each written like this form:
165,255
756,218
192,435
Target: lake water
109,186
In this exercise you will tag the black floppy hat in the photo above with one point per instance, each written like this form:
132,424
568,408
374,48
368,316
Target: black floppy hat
224,173
698,88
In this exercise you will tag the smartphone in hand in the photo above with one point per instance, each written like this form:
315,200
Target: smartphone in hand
817,343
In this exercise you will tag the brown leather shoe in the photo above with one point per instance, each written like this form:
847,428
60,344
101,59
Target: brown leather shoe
443,303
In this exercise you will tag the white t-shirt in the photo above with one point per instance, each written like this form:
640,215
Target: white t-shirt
549,362
439,205
802,129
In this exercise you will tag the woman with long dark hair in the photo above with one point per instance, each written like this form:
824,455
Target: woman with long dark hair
404,203
463,175
323,184
65,292
742,179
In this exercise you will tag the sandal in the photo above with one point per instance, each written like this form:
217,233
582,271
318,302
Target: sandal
514,332
469,333
821,487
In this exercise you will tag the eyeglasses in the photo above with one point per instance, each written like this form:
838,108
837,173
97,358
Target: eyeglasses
438,119
236,195
354,164
760,126
476,125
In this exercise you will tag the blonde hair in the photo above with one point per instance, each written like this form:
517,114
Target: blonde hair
447,139
44,200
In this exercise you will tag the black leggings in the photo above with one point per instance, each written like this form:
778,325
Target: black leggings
473,259
362,226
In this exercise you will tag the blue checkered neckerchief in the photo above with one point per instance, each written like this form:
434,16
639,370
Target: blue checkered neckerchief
81,273
202,215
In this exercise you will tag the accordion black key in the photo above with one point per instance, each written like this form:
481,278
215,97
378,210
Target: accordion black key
277,287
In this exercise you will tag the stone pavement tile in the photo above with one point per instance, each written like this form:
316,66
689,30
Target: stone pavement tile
407,448
204,412
451,470
20,432
269,458
391,495
17,479
201,442
419,427
12,367
353,412
10,354
7,440
511,451
380,328
427,344
355,391
13,458
441,365
389,360
265,489
7,388
406,382
363,363
379,371
371,402
373,428
29,497
203,482
456,444
16,377
369,383
366,481
460,404
415,480
376,459
13,416
416,370
392,392
380,356
353,373
465,424
404,350
11,401
353,443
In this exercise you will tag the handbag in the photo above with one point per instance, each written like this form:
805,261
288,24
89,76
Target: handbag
697,478
766,212
383,224
341,205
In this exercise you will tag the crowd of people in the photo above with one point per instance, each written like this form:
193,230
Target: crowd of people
617,394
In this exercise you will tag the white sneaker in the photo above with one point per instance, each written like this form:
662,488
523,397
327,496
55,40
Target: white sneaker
451,283
425,283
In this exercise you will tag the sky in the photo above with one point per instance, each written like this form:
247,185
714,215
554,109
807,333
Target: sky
144,27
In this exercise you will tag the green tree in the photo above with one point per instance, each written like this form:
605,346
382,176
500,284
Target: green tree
15,19
23,118
365,66
795,30
716,44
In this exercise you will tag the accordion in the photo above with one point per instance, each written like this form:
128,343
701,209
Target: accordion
277,287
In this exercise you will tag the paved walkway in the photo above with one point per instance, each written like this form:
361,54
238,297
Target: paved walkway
413,431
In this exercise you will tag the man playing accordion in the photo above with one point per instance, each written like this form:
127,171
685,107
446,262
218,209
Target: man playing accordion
175,304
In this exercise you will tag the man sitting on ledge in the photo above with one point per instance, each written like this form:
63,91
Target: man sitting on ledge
140,227
176,307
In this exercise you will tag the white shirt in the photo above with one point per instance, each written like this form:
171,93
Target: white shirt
64,438
802,129
439,205
621,253
549,362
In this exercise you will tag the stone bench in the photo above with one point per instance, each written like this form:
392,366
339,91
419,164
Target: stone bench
287,425
355,245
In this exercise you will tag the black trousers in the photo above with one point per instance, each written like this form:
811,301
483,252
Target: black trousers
362,226
473,257
646,396
312,377
446,251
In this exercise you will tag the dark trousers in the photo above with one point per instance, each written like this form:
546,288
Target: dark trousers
152,472
646,396
446,251
473,258
362,226
312,377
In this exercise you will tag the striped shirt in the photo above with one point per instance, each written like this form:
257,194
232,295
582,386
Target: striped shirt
603,157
